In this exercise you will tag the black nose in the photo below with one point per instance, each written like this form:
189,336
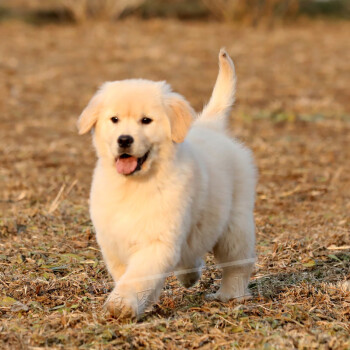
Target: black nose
125,141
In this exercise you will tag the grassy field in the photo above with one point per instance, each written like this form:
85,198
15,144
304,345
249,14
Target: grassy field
293,110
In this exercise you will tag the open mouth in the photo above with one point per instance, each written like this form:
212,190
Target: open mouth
127,164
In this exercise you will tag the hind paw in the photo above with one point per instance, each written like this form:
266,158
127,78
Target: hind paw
224,297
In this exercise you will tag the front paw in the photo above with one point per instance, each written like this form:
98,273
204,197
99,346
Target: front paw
120,307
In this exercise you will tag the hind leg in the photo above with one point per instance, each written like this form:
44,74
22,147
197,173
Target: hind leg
190,273
235,252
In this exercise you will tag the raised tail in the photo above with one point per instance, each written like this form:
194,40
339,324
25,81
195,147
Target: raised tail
218,109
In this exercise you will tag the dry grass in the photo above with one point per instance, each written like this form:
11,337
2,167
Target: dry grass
252,11
293,111
82,10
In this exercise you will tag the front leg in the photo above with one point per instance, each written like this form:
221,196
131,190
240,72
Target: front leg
143,279
115,267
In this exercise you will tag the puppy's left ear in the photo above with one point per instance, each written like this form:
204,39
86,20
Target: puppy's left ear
181,116
88,117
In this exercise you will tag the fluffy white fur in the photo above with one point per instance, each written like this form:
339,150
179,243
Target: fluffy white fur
194,193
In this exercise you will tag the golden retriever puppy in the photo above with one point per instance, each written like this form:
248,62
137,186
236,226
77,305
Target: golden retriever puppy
168,187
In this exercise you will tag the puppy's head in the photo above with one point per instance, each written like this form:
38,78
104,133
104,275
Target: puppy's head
133,121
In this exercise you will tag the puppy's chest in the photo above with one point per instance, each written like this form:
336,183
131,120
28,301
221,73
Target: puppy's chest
127,221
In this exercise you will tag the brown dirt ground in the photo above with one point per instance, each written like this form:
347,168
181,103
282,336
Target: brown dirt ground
293,106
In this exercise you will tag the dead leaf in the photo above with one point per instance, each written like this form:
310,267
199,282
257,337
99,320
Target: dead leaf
7,301
310,263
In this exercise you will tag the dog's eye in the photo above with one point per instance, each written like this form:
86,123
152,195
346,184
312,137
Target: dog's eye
114,120
146,120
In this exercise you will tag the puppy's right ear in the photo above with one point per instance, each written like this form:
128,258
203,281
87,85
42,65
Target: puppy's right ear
179,111
181,116
88,117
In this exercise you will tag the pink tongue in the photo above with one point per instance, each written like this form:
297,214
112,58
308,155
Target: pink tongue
126,166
